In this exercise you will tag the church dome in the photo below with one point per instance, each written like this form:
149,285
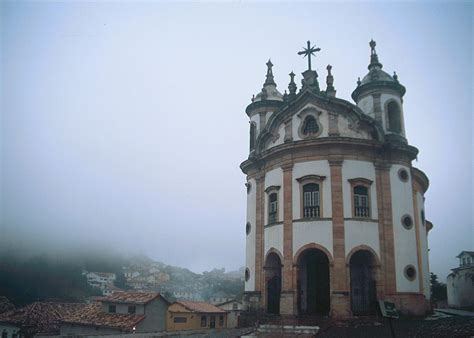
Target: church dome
376,78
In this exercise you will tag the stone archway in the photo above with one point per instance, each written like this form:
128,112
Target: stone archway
363,282
273,282
313,282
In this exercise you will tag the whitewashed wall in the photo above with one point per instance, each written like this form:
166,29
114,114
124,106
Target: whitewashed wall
424,246
358,169
250,239
319,232
404,240
256,118
274,177
367,105
312,168
361,233
383,99
273,239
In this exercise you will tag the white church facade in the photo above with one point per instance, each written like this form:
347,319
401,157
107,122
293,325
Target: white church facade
335,208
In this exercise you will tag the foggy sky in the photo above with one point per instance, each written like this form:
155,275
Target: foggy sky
123,125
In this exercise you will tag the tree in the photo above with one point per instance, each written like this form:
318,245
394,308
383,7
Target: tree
120,281
438,290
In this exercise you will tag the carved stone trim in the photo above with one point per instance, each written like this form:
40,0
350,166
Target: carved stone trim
272,188
360,181
317,178
309,111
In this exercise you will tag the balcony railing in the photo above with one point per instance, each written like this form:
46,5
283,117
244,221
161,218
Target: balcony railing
363,212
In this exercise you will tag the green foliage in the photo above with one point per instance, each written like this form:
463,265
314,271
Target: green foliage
438,290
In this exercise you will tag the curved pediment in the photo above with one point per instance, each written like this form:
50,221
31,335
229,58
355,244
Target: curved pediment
313,116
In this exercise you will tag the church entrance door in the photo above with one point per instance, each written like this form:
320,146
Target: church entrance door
273,281
313,283
363,285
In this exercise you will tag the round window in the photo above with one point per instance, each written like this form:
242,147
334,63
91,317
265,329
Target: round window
403,174
407,222
247,274
247,228
410,272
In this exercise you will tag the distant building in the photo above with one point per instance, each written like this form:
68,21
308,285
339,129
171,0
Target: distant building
187,315
233,308
121,312
186,295
220,297
101,280
38,318
108,290
5,304
460,283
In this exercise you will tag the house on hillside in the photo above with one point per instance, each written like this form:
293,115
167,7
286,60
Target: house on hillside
122,312
460,282
233,308
36,319
187,315
220,297
5,304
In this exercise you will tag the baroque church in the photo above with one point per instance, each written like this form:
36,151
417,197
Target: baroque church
335,208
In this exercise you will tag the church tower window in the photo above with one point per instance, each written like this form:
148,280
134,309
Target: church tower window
361,202
272,208
311,200
253,134
394,118
310,126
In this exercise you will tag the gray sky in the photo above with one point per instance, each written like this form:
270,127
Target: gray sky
123,125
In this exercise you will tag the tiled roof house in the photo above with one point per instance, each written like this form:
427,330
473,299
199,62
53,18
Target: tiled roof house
188,315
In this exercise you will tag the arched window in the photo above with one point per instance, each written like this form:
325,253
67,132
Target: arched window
310,126
253,132
361,202
394,118
272,208
311,200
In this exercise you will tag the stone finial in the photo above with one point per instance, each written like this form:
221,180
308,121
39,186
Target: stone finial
253,98
292,86
374,59
330,90
269,80
358,82
395,76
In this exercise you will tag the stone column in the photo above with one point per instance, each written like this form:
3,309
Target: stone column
288,294
259,239
386,236
340,304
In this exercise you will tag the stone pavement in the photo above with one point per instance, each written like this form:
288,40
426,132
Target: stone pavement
456,312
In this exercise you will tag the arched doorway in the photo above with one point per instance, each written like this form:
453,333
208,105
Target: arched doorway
313,282
273,282
363,283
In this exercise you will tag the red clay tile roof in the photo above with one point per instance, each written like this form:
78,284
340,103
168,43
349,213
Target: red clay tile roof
200,307
5,304
92,315
40,317
131,297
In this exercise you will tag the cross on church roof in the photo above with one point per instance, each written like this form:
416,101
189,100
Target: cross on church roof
308,52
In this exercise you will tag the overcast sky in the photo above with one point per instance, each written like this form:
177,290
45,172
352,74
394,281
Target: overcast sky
123,124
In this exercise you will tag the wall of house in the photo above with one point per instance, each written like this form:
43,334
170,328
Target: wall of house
155,316
193,321
9,329
123,308
460,288
76,330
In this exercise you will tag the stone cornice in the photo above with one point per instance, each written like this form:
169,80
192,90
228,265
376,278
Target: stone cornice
376,86
311,177
420,179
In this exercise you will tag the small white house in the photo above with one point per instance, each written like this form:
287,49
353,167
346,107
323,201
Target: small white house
460,282
233,308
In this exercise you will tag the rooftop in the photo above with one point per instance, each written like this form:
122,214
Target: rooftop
92,315
131,297
41,317
200,307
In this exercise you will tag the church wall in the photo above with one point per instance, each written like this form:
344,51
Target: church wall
250,239
323,120
274,177
312,168
424,246
404,239
358,169
348,129
273,239
256,119
367,105
319,232
268,114
361,233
